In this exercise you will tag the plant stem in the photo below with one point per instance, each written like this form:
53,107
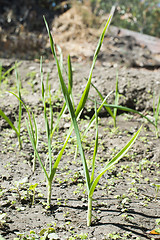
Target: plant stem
34,162
89,214
20,142
49,193
115,122
33,197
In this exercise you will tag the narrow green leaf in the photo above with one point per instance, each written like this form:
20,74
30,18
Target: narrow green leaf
114,161
9,70
70,75
61,152
48,132
35,136
73,116
35,149
126,109
96,145
93,117
102,99
63,110
86,91
51,116
61,57
50,37
2,114
29,116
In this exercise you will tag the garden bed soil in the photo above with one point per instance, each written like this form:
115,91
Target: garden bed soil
126,201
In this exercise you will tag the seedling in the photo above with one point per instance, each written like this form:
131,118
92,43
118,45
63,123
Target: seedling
25,191
32,188
67,95
115,106
157,188
49,133
91,182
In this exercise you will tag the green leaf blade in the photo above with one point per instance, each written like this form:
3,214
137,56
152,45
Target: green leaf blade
114,161
2,114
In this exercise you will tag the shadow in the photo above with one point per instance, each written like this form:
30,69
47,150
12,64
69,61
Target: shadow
99,207
130,211
84,207
134,228
129,228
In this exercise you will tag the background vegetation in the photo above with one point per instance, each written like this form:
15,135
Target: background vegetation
138,15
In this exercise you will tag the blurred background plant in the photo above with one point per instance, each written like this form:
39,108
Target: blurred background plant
138,15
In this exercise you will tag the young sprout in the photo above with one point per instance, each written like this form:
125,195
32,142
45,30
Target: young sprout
78,110
91,182
33,189
115,106
53,165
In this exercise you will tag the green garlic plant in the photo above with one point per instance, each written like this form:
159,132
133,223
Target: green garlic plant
116,107
53,165
91,181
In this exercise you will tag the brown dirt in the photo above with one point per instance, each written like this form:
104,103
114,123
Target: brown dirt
135,208
126,202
